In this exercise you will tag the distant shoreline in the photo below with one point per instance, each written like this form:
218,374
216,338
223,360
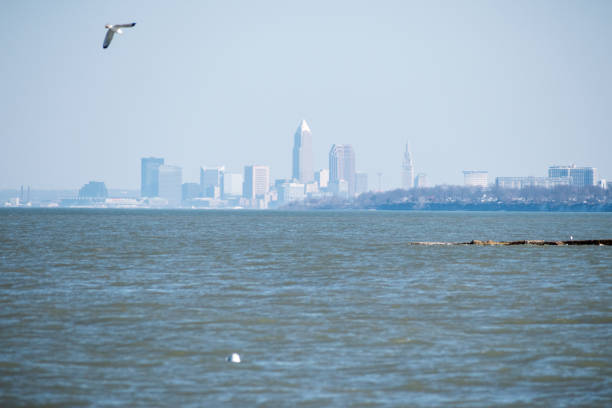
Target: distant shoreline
581,208
484,207
535,207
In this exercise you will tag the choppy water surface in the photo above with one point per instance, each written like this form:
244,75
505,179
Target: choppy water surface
140,308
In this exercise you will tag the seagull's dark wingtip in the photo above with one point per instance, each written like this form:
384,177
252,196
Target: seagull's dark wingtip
133,24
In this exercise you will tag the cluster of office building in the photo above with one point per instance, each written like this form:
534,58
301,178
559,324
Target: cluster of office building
162,184
571,175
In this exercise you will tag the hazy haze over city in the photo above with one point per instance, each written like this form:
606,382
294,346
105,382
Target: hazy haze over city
508,87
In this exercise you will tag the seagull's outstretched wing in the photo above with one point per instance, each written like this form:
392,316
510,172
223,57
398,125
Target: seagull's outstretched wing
124,25
108,38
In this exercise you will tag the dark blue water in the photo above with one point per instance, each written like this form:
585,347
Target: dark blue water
141,308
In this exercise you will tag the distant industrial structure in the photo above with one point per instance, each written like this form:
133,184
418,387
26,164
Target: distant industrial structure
22,201
93,189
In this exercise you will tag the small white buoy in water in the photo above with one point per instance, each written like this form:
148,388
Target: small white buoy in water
234,358
571,238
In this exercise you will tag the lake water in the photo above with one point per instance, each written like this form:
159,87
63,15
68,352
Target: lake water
141,308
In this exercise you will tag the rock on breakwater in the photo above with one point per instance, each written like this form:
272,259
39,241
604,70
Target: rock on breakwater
596,242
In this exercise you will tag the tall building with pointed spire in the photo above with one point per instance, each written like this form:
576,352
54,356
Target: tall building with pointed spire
407,170
302,154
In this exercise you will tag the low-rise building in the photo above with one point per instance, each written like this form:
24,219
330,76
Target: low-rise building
474,178
420,180
578,176
288,192
523,182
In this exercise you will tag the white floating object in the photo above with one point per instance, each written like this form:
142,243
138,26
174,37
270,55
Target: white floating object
234,358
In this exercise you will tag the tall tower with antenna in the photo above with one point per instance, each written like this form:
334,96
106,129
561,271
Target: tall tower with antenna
407,170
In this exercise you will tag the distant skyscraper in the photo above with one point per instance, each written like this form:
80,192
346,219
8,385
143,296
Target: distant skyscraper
26,199
476,178
149,173
361,183
211,181
578,176
407,170
302,154
232,184
191,191
342,166
256,181
170,184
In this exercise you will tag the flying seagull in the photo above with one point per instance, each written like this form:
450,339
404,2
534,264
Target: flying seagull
112,29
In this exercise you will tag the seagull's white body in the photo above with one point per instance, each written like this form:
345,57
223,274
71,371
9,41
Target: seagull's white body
112,29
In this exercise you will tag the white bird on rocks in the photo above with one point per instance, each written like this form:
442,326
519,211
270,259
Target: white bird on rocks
112,29
234,358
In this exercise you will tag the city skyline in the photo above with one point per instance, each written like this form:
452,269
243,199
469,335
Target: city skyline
149,174
303,134
509,87
163,187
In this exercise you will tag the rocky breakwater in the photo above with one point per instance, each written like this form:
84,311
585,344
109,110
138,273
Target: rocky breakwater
596,242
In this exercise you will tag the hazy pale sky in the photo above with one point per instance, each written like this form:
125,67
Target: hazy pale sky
511,87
